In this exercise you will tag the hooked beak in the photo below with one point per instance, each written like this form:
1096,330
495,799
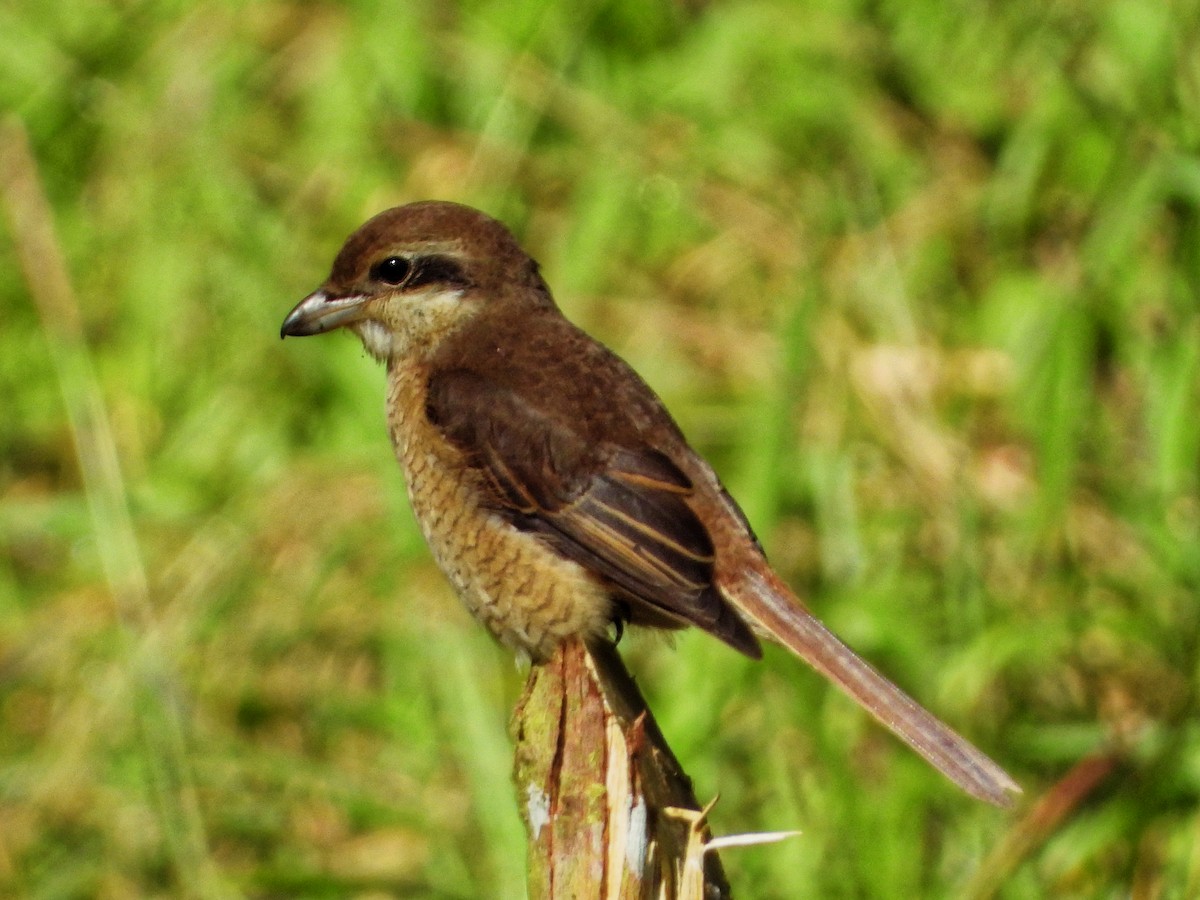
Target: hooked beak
319,312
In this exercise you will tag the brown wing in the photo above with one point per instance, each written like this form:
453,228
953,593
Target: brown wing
621,512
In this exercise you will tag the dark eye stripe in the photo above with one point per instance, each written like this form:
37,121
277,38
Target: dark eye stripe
436,270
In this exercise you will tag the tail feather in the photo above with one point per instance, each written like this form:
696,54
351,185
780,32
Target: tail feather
764,599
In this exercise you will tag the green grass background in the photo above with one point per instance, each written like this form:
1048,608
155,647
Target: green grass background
920,279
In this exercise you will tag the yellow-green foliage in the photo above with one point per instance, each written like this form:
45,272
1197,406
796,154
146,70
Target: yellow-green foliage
920,278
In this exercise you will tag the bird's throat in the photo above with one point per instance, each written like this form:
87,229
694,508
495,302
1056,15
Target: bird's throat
376,338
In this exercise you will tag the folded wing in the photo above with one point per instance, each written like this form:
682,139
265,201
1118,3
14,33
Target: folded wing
621,512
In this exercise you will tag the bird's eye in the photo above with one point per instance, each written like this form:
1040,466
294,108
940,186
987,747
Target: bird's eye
392,270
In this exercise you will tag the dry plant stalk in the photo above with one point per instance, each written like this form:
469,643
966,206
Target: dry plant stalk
609,811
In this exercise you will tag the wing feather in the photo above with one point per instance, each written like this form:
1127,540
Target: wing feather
619,511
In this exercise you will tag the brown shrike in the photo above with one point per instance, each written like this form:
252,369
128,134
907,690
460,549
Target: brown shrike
552,486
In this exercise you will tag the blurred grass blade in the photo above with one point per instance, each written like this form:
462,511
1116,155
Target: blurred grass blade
159,719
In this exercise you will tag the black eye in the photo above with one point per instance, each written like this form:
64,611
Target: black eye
392,270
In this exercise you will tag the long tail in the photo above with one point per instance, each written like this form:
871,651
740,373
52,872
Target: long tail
764,599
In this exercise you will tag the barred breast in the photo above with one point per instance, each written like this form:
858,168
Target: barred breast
527,595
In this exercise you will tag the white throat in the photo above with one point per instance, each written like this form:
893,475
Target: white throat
422,321
376,337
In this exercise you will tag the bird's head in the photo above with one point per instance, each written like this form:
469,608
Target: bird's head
414,274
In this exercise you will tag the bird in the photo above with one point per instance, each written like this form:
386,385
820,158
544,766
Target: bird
551,484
